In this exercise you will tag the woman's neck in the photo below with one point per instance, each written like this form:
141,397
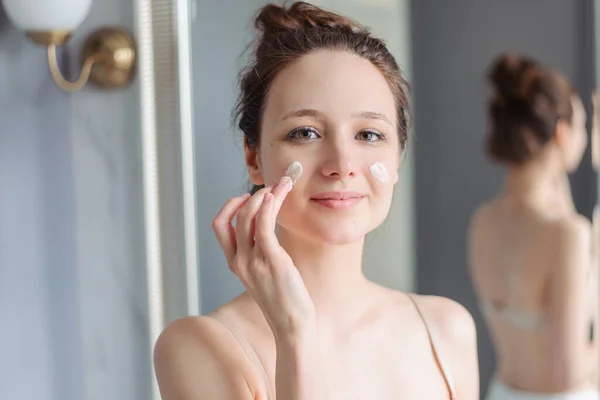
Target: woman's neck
539,184
332,274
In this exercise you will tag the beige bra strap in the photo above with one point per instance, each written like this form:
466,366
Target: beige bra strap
247,347
443,370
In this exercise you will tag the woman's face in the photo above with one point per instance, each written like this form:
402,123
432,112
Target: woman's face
578,136
334,113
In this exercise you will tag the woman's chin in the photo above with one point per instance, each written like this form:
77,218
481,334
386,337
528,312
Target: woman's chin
336,234
330,229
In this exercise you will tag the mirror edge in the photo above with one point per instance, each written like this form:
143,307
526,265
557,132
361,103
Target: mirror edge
168,164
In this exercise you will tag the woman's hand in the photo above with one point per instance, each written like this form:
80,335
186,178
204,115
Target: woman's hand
265,269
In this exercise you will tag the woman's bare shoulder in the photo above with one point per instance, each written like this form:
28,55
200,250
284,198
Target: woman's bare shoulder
450,319
446,317
195,358
197,333
569,244
567,235
572,226
455,336
486,211
483,217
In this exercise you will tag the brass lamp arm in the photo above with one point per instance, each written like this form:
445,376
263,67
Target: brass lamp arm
108,57
60,80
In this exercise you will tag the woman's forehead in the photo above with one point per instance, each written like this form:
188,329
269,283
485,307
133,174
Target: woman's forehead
332,82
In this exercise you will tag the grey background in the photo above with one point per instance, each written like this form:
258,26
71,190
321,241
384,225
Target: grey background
453,44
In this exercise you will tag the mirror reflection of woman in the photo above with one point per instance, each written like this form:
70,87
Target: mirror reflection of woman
325,98
530,252
595,134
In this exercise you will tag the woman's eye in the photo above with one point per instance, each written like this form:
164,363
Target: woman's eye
303,134
370,136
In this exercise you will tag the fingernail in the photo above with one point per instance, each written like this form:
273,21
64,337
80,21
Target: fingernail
286,181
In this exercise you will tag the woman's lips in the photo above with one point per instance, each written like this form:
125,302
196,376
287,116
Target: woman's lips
338,200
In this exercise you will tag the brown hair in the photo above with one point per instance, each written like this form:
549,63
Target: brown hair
287,34
528,102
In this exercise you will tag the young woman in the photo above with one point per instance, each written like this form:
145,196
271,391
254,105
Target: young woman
323,109
530,252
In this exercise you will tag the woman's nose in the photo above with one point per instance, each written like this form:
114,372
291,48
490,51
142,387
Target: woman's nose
339,162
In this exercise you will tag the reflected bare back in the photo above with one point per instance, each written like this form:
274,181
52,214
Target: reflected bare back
510,239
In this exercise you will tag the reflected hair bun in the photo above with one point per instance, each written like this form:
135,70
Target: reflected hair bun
527,103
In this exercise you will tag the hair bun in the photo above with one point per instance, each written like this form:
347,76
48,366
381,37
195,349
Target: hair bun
301,15
528,102
515,78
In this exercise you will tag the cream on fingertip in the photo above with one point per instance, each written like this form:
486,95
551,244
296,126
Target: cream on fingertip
287,181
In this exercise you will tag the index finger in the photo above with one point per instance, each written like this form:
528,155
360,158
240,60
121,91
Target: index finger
223,228
280,192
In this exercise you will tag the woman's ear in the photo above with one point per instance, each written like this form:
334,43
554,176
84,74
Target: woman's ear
253,164
562,134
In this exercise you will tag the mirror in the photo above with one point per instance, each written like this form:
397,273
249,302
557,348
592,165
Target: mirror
427,244
454,48
424,244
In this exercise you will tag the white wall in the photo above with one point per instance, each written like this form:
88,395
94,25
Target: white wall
72,284
107,180
28,158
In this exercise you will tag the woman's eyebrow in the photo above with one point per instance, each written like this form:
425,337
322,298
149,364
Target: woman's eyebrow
309,112
372,115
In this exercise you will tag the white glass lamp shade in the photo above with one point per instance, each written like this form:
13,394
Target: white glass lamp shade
47,15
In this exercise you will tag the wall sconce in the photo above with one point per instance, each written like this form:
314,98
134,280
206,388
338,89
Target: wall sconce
108,55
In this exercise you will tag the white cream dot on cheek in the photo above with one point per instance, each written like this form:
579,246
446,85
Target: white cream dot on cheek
294,171
379,172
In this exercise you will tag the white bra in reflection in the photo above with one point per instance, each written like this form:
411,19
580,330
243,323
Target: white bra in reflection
527,319
523,319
